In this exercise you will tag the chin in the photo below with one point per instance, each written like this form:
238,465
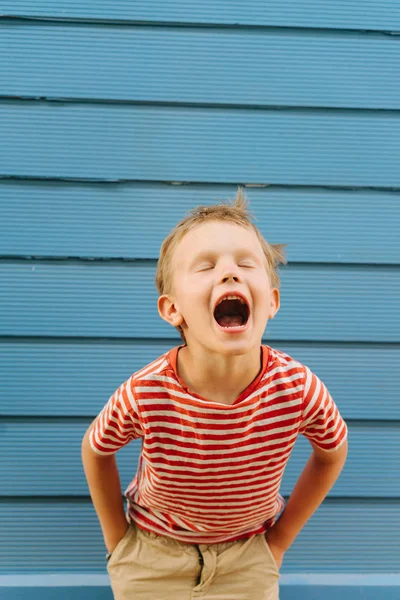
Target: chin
237,347
227,345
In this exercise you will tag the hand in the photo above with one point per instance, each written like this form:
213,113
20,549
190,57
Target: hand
277,553
276,549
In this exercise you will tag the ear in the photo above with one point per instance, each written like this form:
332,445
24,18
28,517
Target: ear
169,311
275,303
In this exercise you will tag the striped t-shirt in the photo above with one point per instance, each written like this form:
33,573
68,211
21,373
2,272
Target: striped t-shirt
210,472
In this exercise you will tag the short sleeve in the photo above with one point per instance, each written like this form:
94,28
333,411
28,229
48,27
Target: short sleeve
321,423
118,423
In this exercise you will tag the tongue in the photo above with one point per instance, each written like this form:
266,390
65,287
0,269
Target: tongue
230,321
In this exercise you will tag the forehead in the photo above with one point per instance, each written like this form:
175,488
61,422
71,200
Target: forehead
216,237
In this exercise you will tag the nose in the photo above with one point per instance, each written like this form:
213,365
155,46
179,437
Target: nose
229,278
230,275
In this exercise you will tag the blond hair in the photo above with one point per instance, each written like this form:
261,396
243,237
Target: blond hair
234,212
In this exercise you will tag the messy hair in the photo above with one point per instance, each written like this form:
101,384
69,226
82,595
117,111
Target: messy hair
234,212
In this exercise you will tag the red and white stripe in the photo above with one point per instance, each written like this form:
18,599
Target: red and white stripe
210,472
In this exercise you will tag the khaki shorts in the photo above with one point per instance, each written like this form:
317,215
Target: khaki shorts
146,566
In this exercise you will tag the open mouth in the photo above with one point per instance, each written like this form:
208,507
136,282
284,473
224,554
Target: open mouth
231,311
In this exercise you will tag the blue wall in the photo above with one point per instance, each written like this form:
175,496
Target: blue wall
115,119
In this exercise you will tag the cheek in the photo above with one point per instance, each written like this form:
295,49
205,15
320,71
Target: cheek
194,304
262,297
260,287
197,287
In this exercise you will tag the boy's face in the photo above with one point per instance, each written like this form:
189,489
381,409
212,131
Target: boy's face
220,261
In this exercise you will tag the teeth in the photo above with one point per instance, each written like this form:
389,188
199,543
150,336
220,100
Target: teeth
231,298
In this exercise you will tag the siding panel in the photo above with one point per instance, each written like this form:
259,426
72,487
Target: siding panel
211,66
116,142
49,461
64,537
82,374
344,14
318,302
112,220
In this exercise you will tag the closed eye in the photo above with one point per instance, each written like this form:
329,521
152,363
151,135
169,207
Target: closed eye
205,267
246,265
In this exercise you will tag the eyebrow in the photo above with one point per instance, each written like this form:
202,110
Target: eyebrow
203,255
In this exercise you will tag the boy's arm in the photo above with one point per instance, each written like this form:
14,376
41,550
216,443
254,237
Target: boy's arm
318,476
105,490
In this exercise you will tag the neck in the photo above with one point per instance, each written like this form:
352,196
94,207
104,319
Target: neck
217,377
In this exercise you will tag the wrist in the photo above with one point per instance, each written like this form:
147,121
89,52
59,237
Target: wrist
278,538
114,535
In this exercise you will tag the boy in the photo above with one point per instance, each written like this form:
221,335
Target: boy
218,417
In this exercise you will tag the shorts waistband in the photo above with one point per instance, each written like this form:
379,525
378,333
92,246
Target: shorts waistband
168,541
